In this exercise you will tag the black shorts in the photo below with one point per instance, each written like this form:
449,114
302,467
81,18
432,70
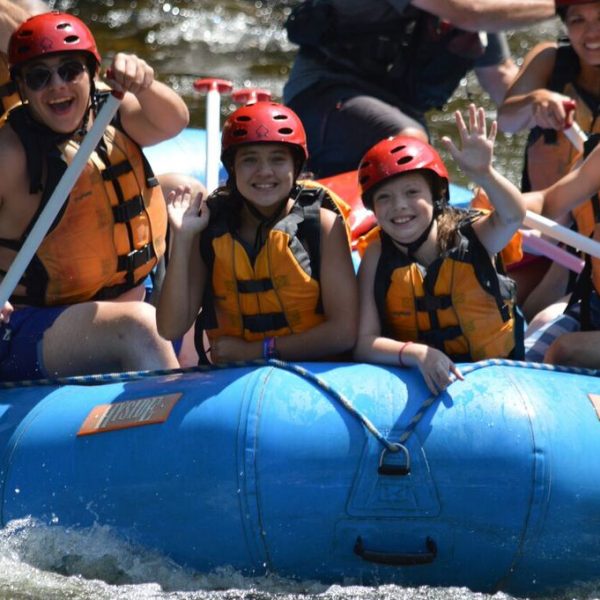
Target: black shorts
342,123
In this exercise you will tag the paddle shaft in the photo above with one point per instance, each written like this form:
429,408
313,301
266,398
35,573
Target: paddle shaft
213,138
576,136
562,234
213,87
538,245
58,197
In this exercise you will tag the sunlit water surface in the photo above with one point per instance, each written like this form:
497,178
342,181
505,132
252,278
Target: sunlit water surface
243,42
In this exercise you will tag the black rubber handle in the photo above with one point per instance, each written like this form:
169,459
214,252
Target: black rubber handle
399,560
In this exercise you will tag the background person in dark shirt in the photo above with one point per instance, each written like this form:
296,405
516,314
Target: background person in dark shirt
365,71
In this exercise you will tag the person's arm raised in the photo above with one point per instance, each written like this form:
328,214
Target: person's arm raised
474,157
489,15
183,287
151,112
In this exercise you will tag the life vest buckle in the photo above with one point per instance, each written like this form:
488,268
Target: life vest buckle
125,212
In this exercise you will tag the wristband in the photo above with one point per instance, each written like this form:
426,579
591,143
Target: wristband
268,348
400,353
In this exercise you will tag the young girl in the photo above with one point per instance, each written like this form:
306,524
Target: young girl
430,293
268,266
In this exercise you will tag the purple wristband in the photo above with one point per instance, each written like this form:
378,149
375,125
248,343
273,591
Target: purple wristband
268,348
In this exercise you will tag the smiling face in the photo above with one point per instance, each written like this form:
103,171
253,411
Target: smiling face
583,28
60,103
403,206
264,174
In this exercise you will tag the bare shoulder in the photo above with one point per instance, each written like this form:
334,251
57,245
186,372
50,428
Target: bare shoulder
12,156
541,57
369,260
373,251
14,183
536,70
331,221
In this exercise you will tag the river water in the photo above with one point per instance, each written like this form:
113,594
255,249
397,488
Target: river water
245,43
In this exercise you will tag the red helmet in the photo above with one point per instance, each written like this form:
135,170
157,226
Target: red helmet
49,33
396,155
263,122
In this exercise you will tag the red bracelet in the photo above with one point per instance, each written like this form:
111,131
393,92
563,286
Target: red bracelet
400,353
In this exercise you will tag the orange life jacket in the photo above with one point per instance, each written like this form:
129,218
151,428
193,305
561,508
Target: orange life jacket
275,293
460,305
111,231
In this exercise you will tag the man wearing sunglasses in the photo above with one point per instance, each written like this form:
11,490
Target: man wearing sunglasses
78,307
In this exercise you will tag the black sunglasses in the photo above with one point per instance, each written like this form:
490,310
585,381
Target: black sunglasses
37,78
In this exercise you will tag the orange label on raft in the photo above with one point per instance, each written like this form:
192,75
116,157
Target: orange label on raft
595,400
132,413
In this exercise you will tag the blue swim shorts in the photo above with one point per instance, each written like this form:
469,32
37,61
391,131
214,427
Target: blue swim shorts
538,343
21,342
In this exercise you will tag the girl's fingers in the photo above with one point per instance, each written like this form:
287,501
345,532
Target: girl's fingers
472,117
460,123
482,121
456,371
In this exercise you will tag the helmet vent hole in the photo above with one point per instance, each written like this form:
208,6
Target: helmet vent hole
72,39
280,117
286,131
404,160
63,25
239,133
244,118
397,149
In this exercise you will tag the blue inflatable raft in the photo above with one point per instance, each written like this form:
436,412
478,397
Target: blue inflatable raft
330,472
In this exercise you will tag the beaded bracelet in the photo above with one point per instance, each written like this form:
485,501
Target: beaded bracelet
268,348
400,353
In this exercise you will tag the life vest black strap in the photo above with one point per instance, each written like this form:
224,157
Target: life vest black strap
437,337
432,303
582,292
264,322
113,172
129,209
15,245
114,291
7,89
254,286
